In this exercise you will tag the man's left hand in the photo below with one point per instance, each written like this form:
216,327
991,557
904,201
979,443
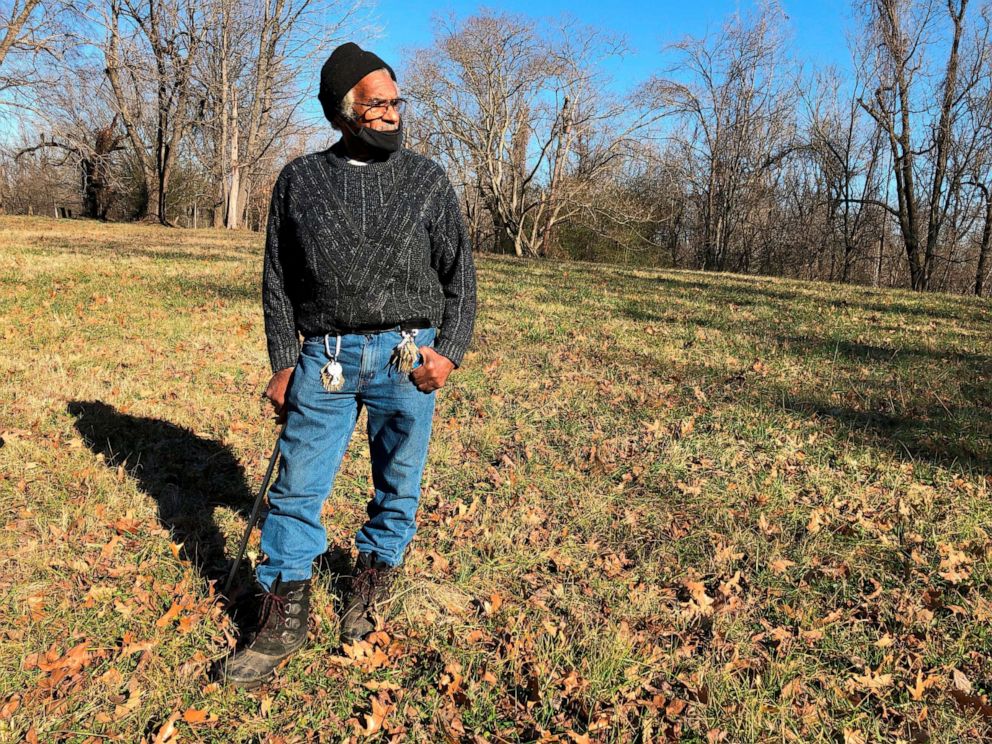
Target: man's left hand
433,372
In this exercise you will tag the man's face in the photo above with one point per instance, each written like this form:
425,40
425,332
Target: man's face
376,86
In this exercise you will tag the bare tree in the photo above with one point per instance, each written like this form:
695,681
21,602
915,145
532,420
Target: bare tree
30,31
734,96
150,51
848,155
919,112
983,267
978,166
526,113
76,119
257,52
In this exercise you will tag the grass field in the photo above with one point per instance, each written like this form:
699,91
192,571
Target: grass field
658,506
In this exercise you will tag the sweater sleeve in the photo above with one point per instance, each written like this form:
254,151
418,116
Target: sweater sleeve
280,319
451,258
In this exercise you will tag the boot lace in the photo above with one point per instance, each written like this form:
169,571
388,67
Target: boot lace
272,602
365,584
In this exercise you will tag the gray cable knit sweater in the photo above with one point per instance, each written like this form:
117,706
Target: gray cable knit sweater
353,245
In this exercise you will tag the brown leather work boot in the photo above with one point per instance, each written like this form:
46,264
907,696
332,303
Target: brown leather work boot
282,631
368,596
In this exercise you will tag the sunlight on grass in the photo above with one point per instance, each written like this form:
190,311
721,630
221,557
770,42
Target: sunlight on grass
657,505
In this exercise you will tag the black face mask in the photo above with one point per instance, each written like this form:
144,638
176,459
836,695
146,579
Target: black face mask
378,141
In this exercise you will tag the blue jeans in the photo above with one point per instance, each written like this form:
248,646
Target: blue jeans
319,425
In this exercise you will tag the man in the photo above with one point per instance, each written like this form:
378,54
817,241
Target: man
367,257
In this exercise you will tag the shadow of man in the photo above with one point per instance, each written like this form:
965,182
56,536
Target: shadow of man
187,476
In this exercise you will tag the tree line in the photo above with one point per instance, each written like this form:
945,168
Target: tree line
165,110
738,156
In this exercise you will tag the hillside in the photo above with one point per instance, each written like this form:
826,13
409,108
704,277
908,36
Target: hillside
657,505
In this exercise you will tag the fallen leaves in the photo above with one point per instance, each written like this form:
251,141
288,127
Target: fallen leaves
780,565
491,606
97,595
685,428
613,565
851,736
107,551
10,707
167,732
961,681
127,525
440,563
791,688
962,692
171,614
194,609
726,554
375,719
375,652
112,678
195,715
955,564
127,704
700,603
919,688
597,543
870,681
817,520
36,606
59,666
451,681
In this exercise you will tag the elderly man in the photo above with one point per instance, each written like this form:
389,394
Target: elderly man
367,258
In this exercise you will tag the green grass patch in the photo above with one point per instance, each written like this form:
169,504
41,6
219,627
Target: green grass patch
658,505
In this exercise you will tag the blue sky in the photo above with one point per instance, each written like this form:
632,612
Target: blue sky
818,28
818,25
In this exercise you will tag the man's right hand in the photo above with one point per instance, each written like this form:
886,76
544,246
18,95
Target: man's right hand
276,392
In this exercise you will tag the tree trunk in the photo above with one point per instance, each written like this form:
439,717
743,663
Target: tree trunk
220,208
234,186
984,248
130,125
943,143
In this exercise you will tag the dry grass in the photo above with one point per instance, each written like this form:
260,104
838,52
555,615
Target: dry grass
658,505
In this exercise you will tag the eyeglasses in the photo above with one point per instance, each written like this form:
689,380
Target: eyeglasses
376,109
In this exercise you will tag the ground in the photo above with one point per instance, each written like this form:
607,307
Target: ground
658,506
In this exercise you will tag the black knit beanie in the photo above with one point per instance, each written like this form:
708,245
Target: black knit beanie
347,64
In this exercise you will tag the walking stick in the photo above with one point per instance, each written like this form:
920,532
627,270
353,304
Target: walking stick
253,517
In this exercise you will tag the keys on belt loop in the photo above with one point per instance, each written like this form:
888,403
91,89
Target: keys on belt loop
332,373
405,352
